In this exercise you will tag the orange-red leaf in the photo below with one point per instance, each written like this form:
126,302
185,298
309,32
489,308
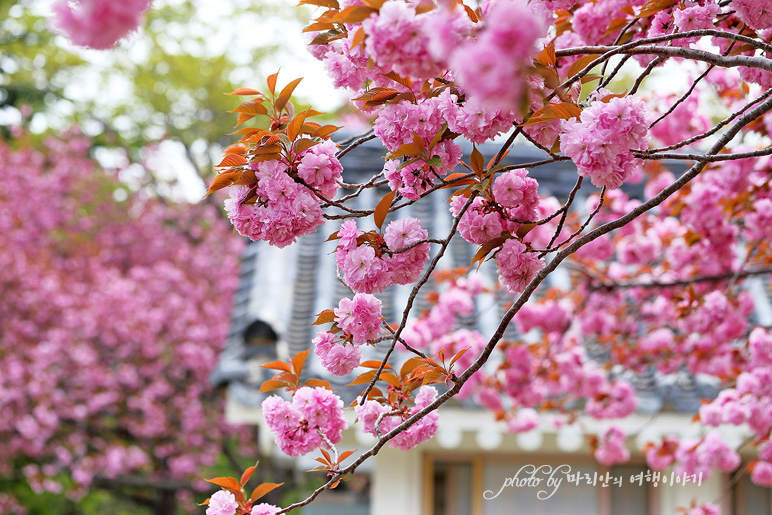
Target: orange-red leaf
272,82
294,126
318,383
251,107
285,94
271,385
580,64
345,455
374,363
232,160
325,130
223,180
563,110
247,474
245,91
382,209
263,489
477,162
354,14
325,317
299,360
303,144
277,365
225,482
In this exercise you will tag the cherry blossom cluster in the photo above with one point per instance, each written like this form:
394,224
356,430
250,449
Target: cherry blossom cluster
224,502
600,143
360,321
370,412
310,421
114,315
98,24
279,209
370,262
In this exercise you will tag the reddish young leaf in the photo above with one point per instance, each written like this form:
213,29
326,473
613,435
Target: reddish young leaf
245,91
359,38
354,14
247,474
263,489
299,360
272,82
487,248
225,482
345,455
332,4
232,160
277,365
325,317
271,385
581,64
324,131
477,161
382,209
363,378
318,383
285,95
455,358
303,144
223,180
374,363
251,107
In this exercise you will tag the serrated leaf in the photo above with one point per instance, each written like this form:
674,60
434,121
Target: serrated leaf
270,385
550,112
232,160
547,55
457,356
409,366
477,162
304,144
325,317
263,489
354,14
272,82
390,378
363,378
331,4
408,149
225,482
251,107
245,91
318,383
222,180
374,363
299,360
285,95
359,38
243,117
382,209
405,81
294,126
613,95
277,365
325,130
345,455
524,229
655,6
581,64
318,26
247,474
487,248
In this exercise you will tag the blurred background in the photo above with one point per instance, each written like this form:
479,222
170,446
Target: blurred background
118,281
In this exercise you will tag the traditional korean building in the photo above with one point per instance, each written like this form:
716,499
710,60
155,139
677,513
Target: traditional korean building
465,468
